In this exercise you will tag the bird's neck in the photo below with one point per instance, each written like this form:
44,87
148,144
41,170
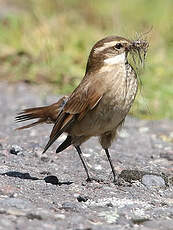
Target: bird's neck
102,64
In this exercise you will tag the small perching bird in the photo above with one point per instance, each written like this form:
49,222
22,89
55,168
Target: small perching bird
100,103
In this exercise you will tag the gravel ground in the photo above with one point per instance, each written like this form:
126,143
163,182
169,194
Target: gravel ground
50,192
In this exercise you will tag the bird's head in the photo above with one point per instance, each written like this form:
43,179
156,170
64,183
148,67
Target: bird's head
113,50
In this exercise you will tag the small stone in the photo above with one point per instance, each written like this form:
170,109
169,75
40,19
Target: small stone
45,173
143,129
109,205
131,175
52,180
123,134
33,216
82,198
153,181
98,167
15,212
33,133
170,180
140,220
59,216
16,150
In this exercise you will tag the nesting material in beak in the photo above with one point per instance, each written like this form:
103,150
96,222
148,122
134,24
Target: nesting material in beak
139,49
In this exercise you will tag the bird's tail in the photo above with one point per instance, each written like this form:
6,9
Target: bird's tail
45,114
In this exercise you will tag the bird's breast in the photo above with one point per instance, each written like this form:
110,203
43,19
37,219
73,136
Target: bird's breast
112,108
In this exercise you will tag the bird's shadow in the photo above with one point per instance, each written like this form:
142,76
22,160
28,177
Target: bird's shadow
26,176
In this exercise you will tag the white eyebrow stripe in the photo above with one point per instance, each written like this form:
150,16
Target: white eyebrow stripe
107,45
116,59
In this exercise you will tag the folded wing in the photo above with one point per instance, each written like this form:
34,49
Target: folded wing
85,97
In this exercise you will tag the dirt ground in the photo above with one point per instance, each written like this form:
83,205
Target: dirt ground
50,191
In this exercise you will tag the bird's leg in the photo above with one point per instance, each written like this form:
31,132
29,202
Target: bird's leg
112,167
83,162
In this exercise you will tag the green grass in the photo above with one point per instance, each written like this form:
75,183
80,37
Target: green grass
49,41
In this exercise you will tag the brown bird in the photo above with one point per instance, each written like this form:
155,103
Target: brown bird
99,105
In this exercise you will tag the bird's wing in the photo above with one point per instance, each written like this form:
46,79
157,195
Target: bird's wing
84,98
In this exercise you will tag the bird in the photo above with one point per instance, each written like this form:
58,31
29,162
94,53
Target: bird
99,104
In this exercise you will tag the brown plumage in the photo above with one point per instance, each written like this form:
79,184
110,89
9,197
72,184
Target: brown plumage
99,105
44,114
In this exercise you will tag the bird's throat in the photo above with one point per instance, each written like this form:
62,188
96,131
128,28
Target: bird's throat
118,59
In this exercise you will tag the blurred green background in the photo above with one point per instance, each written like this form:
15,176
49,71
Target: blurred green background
48,41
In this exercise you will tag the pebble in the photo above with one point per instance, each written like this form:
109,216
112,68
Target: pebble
153,181
143,129
139,220
123,133
109,205
98,167
59,216
15,212
52,180
82,198
16,150
45,172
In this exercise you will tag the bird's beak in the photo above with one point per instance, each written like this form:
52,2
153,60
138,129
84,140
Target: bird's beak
139,48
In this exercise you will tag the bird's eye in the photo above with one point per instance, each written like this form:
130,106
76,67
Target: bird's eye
118,46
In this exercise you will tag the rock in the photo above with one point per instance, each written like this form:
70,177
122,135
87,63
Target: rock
82,198
131,175
52,180
45,172
16,150
59,216
109,205
147,178
153,181
143,129
139,221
